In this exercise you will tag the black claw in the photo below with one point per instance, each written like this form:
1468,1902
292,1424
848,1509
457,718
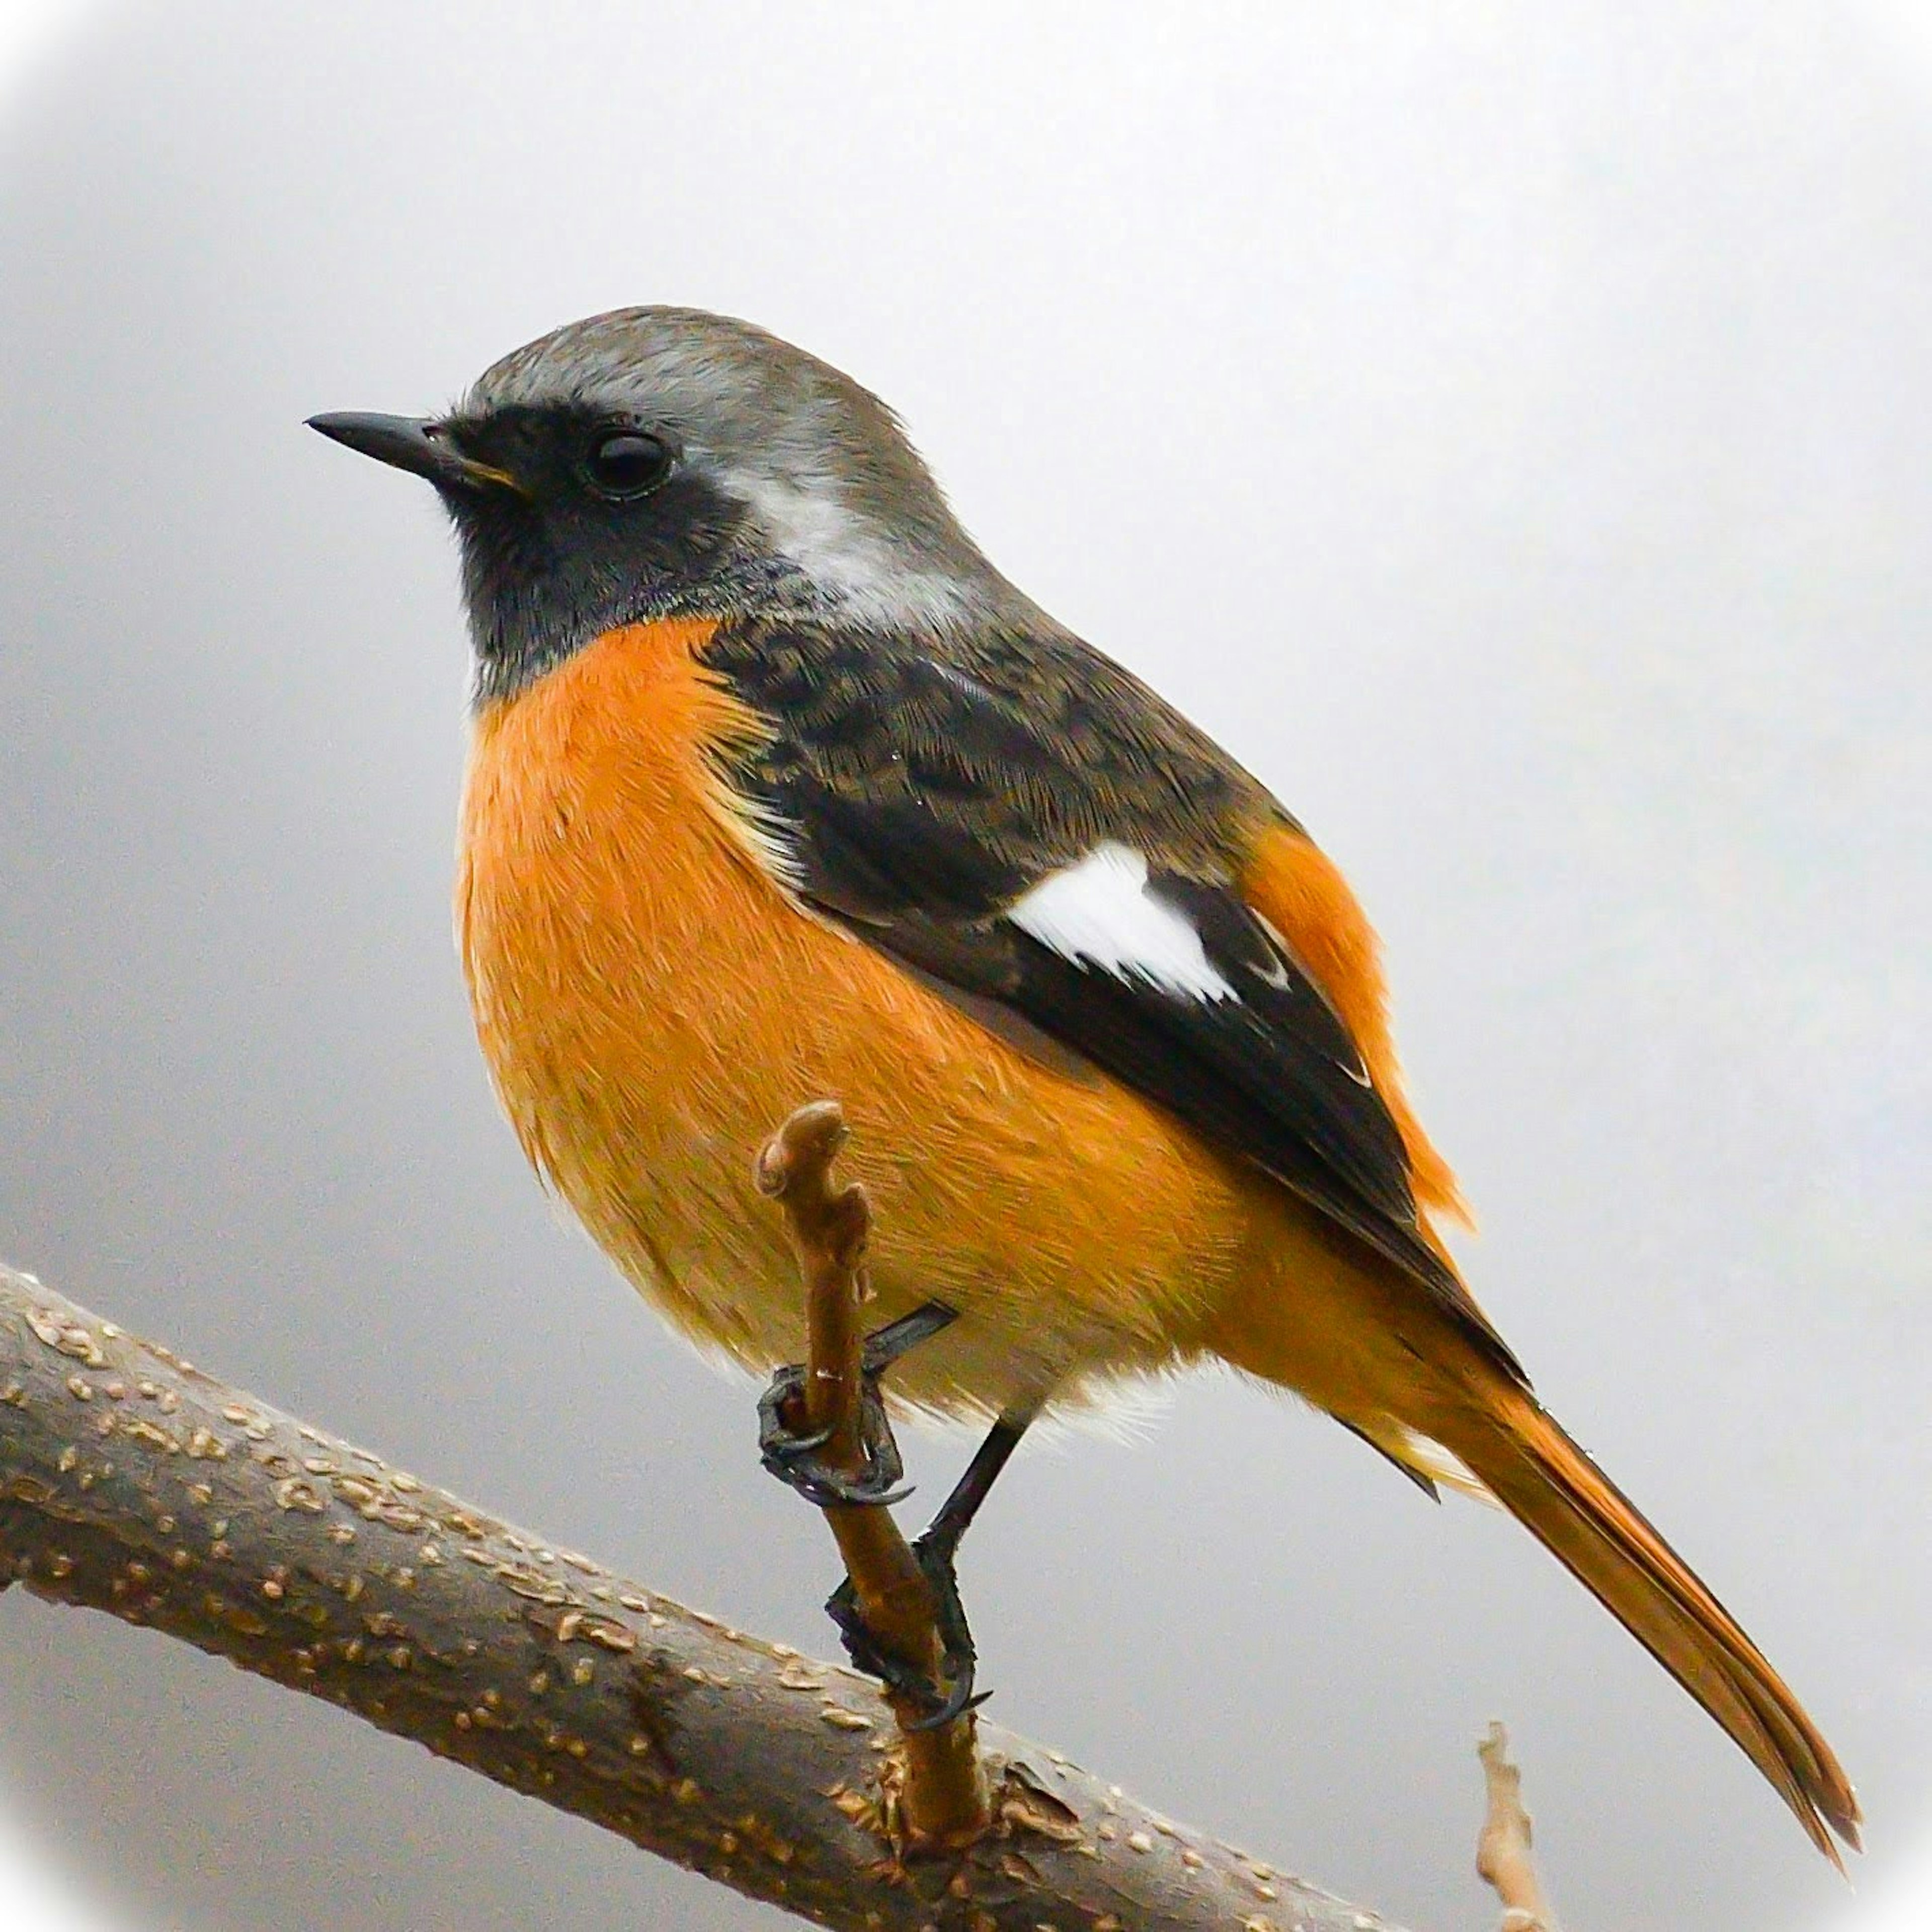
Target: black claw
869,1653
953,1695
777,1440
792,1454
958,1658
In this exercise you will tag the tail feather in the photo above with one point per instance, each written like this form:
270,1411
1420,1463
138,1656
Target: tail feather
1552,1487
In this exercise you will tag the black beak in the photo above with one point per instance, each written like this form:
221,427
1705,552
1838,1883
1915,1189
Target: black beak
423,448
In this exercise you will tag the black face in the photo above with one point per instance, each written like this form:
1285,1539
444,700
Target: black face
600,523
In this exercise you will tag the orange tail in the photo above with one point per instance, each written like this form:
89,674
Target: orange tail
1552,1488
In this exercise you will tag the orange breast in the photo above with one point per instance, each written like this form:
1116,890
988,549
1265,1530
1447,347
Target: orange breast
651,1004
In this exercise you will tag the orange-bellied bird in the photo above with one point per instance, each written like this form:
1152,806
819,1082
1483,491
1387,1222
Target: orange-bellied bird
779,789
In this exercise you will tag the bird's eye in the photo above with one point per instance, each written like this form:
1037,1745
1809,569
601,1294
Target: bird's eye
627,463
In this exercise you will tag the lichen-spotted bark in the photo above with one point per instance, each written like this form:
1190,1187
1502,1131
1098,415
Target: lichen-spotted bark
132,1482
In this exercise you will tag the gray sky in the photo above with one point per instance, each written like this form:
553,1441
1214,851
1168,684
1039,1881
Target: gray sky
1507,426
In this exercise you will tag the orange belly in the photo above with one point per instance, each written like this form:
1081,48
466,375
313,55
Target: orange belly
651,1004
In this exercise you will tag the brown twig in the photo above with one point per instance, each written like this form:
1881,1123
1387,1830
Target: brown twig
944,1803
133,1483
1503,1857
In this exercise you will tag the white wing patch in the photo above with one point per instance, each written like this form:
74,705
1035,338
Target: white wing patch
1099,912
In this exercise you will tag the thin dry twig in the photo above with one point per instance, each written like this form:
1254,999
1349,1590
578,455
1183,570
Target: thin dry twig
1503,1857
943,1802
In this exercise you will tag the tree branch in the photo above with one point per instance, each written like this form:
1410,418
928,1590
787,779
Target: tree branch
1503,1857
944,1802
133,1482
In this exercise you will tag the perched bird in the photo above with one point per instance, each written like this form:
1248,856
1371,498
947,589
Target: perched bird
779,789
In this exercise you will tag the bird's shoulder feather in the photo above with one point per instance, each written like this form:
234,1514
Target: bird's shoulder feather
1026,825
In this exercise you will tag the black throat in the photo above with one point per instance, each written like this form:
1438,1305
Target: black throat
542,579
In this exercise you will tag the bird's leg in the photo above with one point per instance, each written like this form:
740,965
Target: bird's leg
791,1451
934,1550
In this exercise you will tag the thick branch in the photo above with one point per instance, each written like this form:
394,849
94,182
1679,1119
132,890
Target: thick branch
945,1802
132,1482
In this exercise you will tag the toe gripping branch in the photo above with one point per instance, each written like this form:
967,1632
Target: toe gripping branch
824,1430
952,1695
795,1454
792,1451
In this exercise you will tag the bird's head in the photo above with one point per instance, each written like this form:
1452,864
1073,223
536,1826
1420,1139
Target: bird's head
659,462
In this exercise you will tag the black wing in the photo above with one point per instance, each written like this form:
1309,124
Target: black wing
928,797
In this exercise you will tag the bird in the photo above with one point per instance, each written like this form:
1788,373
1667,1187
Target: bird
778,789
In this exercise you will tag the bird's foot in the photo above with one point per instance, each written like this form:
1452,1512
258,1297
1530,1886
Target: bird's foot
952,1695
793,1453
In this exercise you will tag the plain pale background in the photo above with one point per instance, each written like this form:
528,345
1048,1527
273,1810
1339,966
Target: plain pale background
1507,426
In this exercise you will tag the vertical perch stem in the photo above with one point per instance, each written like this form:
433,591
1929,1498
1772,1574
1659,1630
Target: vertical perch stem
1503,1857
945,1802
